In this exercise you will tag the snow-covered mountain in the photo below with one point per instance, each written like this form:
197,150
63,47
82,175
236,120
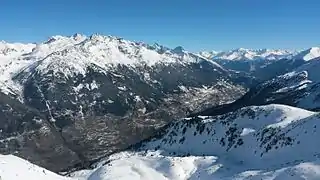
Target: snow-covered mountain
249,54
308,54
73,55
242,54
209,54
100,94
257,139
252,143
14,49
10,62
262,64
299,88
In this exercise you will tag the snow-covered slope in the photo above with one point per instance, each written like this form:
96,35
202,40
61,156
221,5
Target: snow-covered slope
308,54
153,165
258,142
14,49
11,62
18,57
14,168
263,132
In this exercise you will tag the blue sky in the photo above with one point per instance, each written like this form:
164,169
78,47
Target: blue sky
194,24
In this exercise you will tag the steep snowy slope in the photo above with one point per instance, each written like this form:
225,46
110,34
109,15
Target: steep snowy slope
266,142
11,62
153,165
17,57
14,168
308,54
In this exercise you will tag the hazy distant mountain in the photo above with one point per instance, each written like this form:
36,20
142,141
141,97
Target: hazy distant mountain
243,54
262,64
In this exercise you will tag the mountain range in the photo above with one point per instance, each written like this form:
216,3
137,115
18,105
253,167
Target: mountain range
91,107
243,54
259,63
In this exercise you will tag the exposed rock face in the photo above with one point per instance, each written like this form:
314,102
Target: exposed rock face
28,133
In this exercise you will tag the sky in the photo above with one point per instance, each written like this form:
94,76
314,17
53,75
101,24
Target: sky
194,24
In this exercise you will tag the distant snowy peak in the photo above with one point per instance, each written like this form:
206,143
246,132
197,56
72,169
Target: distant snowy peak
14,49
251,54
309,54
209,54
262,54
76,37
